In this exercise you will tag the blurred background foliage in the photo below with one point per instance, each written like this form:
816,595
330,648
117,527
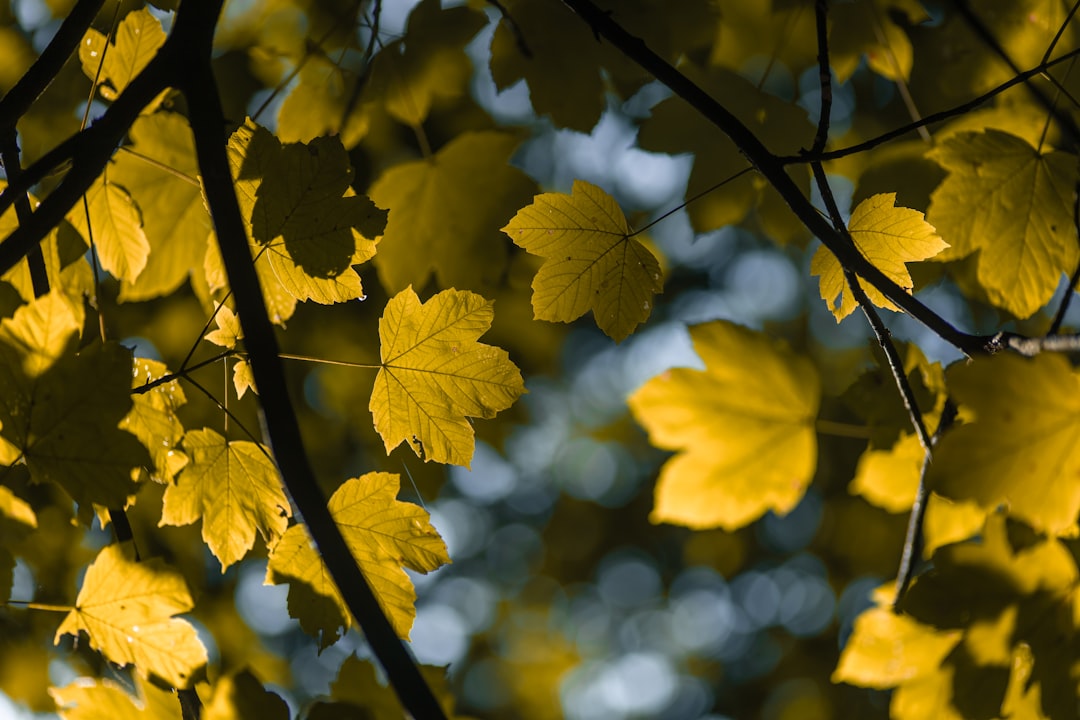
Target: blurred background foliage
562,599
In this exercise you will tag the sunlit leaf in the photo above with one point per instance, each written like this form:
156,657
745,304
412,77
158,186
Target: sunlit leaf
104,699
228,330
435,375
1019,446
235,488
126,609
308,227
743,428
138,38
445,212
243,378
317,105
888,237
1014,206
159,171
116,229
593,260
383,534
154,421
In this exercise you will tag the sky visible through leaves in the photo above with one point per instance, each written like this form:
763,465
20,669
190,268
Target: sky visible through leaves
601,423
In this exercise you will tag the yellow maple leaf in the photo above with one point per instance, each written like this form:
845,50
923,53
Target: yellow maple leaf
235,488
242,696
593,261
153,418
308,227
126,609
138,38
1019,447
104,699
1012,204
743,426
444,211
889,237
116,227
887,649
228,330
383,535
434,374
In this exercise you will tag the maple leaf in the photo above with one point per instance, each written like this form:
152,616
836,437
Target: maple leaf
317,105
104,699
1013,205
62,410
308,228
116,229
865,28
163,181
228,331
744,427
126,609
434,374
242,696
443,211
1018,446
593,260
138,38
153,419
888,237
1008,602
427,64
243,378
383,535
235,488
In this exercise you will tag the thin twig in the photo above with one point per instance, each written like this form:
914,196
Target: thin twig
1061,31
772,168
690,200
913,541
821,17
35,259
181,374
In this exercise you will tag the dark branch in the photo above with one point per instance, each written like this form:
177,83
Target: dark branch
195,23
772,168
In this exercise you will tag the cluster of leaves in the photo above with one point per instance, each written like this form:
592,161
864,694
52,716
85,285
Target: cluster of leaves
90,430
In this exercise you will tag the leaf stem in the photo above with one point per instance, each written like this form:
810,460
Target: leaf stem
842,429
40,606
324,361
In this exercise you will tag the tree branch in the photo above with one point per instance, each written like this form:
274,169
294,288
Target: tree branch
194,29
772,168
45,69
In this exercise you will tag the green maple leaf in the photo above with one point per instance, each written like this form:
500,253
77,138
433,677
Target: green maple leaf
308,228
235,488
445,212
593,260
435,375
743,428
163,181
1013,205
126,608
383,535
61,410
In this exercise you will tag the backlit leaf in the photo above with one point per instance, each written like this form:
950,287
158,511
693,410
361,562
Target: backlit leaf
743,428
887,649
228,330
383,534
126,609
243,378
235,488
435,374
138,38
888,237
1013,205
445,212
593,261
62,410
163,181
242,696
308,227
116,228
104,699
1020,444
154,421
317,105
